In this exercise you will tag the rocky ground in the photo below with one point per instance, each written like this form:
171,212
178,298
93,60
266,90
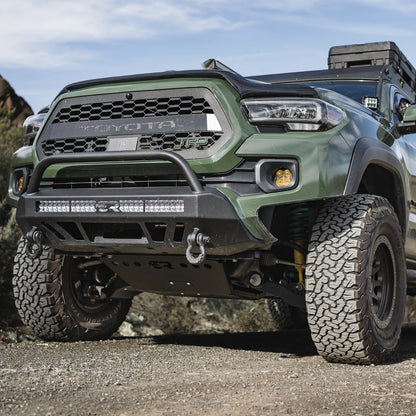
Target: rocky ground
215,374
221,367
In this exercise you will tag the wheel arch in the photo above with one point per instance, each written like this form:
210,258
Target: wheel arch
375,169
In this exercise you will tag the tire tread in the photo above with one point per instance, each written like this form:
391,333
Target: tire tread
336,282
37,288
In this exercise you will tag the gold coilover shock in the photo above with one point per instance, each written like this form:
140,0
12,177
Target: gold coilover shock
298,226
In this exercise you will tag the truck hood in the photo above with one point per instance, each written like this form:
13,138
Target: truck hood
245,87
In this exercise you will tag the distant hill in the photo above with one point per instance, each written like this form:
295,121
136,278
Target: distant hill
10,101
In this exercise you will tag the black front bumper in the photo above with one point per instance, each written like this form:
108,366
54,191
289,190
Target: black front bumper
107,228
154,220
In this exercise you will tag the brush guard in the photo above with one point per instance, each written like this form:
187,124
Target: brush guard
101,230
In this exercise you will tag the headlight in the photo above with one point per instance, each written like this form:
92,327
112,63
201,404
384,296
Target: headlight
294,114
31,127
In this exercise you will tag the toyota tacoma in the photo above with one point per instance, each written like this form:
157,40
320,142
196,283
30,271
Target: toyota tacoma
298,188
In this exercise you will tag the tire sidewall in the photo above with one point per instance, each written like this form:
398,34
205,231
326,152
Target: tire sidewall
387,332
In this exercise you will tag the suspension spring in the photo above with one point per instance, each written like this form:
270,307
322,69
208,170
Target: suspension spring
298,228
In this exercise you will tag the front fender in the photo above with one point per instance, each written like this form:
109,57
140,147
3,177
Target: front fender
369,151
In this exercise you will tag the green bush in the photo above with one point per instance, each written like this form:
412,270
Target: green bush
10,141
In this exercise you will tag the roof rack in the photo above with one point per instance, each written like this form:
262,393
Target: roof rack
373,54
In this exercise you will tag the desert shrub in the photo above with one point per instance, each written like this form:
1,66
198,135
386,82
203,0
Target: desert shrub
254,318
201,315
170,314
10,141
411,309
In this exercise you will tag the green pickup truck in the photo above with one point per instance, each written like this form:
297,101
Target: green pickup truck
299,188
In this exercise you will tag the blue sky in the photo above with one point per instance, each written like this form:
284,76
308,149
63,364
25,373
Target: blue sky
46,44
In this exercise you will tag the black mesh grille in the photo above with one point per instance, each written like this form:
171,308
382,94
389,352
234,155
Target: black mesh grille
162,106
175,142
58,146
187,120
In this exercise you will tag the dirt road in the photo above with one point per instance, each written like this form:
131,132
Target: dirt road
232,374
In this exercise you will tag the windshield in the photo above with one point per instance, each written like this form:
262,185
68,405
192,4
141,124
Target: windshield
352,89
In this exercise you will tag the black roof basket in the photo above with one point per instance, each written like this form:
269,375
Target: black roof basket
373,54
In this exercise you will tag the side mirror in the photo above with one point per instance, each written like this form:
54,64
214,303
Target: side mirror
409,121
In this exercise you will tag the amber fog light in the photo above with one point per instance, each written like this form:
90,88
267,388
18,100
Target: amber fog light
20,180
282,178
274,175
19,184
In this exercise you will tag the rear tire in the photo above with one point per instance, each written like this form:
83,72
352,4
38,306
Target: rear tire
285,316
49,300
356,280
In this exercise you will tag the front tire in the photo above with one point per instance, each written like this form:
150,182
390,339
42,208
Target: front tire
356,280
49,299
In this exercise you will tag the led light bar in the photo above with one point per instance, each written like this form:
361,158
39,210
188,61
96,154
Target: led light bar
83,206
123,205
164,205
53,206
131,205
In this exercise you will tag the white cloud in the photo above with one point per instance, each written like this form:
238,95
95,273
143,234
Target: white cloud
65,33
51,33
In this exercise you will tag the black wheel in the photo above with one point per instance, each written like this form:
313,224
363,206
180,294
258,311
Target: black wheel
58,298
285,316
356,280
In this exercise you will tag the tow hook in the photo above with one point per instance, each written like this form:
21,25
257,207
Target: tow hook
34,246
196,239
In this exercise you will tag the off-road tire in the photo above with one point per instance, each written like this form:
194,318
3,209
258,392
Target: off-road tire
356,280
46,303
285,316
